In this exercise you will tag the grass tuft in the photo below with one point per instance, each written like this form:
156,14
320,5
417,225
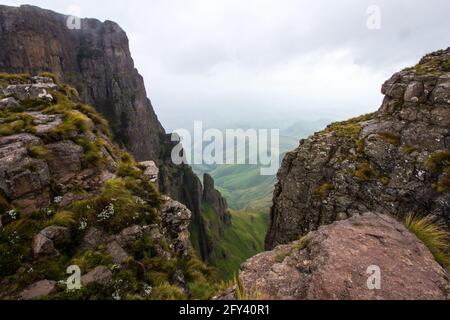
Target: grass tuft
433,234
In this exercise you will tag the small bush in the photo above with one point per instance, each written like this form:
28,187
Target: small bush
167,291
390,138
17,123
365,172
63,218
38,152
408,149
438,160
93,155
443,185
433,234
325,189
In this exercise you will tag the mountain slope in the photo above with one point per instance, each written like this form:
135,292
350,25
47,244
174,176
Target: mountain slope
71,198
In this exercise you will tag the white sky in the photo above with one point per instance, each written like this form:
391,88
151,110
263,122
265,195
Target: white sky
267,63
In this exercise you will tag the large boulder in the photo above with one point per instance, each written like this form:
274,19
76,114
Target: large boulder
38,290
340,261
101,275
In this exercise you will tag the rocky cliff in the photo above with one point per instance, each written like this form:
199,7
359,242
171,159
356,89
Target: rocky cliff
96,60
395,161
70,197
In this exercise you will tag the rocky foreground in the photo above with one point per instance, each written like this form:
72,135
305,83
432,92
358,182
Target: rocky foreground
336,263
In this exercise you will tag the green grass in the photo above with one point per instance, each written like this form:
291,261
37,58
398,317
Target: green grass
240,241
433,234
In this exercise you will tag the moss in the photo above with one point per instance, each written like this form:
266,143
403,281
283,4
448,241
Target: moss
365,172
63,218
437,161
93,155
128,170
443,185
433,67
390,138
167,291
408,149
88,260
117,207
9,78
17,123
50,75
385,180
324,189
38,152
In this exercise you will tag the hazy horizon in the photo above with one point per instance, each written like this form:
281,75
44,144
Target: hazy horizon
267,63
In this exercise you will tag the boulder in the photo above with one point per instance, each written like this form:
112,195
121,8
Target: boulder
118,254
31,91
176,218
340,261
101,275
150,170
56,233
43,246
129,235
38,290
93,238
8,104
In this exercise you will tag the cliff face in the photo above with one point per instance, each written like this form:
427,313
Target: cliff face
214,199
96,60
395,161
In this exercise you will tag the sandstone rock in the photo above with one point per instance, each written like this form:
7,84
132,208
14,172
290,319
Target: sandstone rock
38,290
31,91
43,246
176,218
101,275
93,238
8,104
56,233
65,162
332,263
151,170
128,236
118,254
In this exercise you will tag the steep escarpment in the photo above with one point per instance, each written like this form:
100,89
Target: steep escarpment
395,161
96,60
71,199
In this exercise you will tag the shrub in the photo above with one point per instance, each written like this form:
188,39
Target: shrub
443,185
17,123
433,234
438,160
365,172
325,189
408,149
390,138
63,218
38,152
92,152
167,291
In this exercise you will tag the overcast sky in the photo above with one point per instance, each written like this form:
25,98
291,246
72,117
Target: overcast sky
268,63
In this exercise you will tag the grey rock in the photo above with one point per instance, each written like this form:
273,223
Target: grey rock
151,170
101,275
42,246
8,104
56,233
118,254
38,290
334,263
93,238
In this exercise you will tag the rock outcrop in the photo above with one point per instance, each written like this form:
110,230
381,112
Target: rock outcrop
368,257
394,161
96,60
214,199
70,196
